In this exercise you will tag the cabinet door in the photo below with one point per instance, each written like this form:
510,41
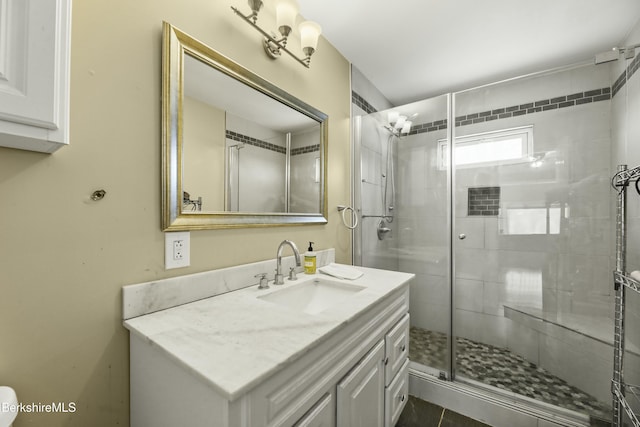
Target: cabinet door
360,395
34,65
321,415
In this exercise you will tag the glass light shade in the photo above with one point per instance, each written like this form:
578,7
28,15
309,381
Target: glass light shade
400,122
393,117
309,33
255,5
286,14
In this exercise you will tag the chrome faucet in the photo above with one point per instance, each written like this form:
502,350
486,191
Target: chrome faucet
279,280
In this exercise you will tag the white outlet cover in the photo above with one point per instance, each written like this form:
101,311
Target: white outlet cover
169,239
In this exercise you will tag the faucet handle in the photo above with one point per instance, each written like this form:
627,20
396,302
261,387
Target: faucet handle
292,274
264,282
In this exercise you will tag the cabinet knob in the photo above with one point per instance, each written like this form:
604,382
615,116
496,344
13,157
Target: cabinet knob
402,398
403,348
386,361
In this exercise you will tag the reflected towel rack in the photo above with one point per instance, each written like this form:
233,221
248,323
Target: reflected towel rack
622,281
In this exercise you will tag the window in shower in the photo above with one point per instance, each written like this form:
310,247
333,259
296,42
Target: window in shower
490,148
531,220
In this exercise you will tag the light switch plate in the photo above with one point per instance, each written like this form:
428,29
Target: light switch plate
177,249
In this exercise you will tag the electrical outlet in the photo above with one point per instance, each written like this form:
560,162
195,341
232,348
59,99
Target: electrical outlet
176,250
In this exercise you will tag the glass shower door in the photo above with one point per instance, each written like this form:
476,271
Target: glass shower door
404,210
531,238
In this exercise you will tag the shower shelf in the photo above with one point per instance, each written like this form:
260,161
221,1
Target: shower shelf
629,282
635,391
632,392
621,392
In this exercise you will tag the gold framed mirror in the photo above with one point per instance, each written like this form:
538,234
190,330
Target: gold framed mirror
237,151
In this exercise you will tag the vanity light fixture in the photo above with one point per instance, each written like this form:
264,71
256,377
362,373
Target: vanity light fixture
286,14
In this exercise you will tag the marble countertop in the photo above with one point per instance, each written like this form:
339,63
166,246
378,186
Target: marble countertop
236,340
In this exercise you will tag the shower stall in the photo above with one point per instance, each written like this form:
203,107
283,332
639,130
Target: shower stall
508,231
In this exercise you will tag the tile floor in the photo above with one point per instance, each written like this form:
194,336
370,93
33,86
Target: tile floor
418,413
505,370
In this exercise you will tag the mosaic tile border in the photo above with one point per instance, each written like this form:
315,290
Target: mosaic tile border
304,150
362,103
428,127
235,136
625,75
564,101
542,105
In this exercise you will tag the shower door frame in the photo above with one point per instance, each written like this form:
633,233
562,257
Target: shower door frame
451,226
449,372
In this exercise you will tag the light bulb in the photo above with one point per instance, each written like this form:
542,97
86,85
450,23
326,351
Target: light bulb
406,127
393,117
400,122
255,5
309,33
286,14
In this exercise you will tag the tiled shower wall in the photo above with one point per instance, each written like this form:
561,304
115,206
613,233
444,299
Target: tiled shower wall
570,269
369,155
563,275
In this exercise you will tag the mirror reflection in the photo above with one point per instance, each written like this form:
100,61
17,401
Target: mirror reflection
244,151
238,150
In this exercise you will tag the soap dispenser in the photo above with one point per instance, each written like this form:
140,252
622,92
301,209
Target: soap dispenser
310,260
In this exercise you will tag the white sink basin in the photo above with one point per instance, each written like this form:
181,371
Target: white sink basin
313,296
8,400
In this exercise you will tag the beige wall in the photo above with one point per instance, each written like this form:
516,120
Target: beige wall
64,258
203,133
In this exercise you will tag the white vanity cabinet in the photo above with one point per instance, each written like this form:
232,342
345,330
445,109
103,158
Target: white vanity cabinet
357,375
34,66
360,394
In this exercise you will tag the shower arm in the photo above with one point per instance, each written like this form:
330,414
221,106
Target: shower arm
622,178
627,48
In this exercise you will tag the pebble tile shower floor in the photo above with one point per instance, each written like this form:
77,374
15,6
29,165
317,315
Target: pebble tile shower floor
503,369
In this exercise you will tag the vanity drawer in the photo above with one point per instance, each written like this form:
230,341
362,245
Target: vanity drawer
396,396
396,348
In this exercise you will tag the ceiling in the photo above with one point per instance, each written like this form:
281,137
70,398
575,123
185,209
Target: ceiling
414,49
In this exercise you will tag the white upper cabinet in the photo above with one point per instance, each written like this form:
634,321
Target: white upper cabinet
34,74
